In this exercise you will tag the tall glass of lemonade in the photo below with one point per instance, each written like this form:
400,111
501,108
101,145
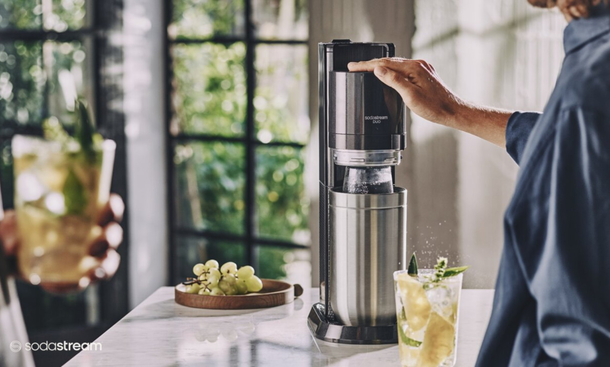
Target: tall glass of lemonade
427,314
60,187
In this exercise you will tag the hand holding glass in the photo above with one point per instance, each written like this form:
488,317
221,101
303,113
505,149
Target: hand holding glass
58,197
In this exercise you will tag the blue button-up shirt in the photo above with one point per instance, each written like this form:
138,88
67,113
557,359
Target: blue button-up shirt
552,300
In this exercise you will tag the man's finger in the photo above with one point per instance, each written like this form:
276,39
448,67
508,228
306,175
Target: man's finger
363,65
110,238
575,12
370,65
107,268
392,79
112,211
583,10
8,232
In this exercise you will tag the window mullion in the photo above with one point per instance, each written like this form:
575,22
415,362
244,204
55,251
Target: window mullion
250,216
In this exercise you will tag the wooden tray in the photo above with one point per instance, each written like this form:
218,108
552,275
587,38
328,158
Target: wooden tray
274,293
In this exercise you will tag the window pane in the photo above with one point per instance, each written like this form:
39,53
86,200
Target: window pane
291,265
22,82
207,18
21,14
67,72
281,100
281,19
192,250
61,15
281,204
209,186
209,89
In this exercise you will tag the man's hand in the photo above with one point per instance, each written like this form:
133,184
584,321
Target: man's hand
419,86
424,93
102,248
576,9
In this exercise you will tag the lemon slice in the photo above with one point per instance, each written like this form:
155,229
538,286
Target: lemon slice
416,305
438,341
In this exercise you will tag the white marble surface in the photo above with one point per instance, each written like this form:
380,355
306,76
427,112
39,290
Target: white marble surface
160,332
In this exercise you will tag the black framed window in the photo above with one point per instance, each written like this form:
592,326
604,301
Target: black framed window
237,124
50,52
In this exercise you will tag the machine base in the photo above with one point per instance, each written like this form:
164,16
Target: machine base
335,333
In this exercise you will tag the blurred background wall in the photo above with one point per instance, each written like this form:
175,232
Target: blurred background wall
145,88
498,53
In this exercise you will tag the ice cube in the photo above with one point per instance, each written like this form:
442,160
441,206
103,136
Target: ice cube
29,188
441,299
54,201
416,305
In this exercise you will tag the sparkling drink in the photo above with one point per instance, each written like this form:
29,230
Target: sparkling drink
427,314
59,191
368,180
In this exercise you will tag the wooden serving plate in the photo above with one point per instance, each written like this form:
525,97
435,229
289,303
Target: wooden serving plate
274,293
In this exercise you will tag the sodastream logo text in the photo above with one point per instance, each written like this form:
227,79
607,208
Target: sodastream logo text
47,346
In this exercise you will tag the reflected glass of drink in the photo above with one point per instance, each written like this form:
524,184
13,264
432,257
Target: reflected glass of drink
59,191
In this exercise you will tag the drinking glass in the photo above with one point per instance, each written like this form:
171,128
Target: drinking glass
427,314
59,192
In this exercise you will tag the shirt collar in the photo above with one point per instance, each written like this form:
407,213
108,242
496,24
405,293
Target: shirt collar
582,31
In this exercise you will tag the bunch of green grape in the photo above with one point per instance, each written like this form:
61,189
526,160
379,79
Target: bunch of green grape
225,280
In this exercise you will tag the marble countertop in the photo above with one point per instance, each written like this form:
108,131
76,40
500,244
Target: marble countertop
160,332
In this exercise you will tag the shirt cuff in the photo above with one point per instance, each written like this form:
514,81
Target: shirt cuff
518,130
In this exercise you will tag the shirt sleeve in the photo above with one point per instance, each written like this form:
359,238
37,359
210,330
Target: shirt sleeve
518,129
569,274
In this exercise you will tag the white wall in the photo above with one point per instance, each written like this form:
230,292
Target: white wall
499,53
146,152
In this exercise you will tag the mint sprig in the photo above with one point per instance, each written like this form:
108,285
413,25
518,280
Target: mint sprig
406,340
75,195
413,270
84,145
451,272
84,130
441,271
53,130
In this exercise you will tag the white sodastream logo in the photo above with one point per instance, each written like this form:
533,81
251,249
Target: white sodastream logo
17,346
376,119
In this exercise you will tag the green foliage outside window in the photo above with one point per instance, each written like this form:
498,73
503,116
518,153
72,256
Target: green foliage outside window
210,86
209,97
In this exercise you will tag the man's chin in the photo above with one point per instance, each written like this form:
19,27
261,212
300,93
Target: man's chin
543,3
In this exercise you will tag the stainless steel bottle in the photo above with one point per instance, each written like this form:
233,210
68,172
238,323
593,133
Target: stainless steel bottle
366,231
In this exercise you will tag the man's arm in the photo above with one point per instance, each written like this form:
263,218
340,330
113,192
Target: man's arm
425,94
